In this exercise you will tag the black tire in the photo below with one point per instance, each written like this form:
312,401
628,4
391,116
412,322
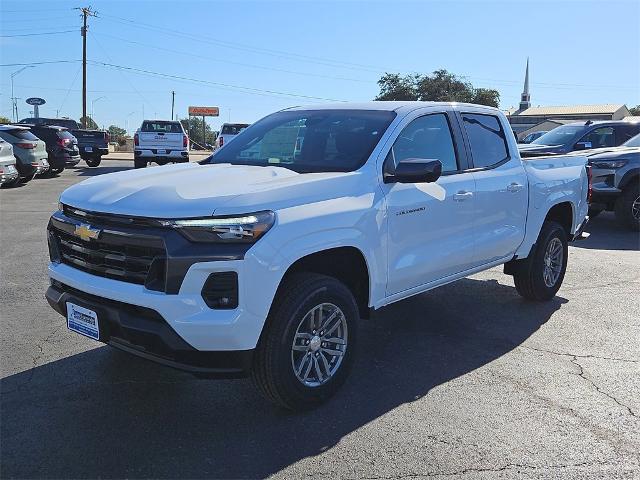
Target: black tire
626,215
55,171
529,272
26,179
273,366
139,163
93,161
594,212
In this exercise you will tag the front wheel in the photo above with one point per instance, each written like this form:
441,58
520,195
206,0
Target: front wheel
628,208
93,161
308,344
540,276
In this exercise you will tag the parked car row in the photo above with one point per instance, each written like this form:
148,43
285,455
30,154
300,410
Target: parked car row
613,152
46,146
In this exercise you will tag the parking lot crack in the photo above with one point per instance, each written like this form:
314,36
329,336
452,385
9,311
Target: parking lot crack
573,355
581,374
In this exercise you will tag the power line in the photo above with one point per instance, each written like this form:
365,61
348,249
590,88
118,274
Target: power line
239,46
231,62
37,34
207,82
38,63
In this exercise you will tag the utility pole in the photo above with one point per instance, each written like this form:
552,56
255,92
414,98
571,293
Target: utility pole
85,12
173,101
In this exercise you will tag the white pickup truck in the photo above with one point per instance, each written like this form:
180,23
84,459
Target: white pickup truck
160,141
262,259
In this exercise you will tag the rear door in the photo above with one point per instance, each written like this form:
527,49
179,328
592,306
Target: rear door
500,207
430,224
161,135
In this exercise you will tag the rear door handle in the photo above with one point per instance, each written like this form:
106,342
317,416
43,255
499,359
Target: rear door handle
462,195
515,187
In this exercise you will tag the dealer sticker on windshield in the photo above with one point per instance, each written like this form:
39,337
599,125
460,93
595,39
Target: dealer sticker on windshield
83,321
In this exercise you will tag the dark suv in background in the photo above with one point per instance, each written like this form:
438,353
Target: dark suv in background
92,144
581,136
62,147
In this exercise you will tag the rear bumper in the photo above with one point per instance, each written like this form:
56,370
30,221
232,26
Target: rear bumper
143,332
95,151
170,155
8,177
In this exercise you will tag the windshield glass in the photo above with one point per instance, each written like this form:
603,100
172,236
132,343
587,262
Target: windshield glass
308,140
233,129
633,142
65,134
161,127
559,136
23,134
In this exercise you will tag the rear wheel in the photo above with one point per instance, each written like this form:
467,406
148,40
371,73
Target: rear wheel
540,276
139,163
628,207
93,161
308,344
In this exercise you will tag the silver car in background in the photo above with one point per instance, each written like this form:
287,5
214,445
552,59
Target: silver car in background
8,171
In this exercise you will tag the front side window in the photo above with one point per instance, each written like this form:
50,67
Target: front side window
308,140
600,137
486,138
428,138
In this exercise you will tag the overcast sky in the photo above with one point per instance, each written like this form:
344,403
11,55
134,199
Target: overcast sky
251,58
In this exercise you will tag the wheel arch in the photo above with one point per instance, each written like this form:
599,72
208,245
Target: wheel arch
630,177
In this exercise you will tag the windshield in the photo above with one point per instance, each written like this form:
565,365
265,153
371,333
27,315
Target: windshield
161,127
560,135
632,142
23,134
233,129
308,140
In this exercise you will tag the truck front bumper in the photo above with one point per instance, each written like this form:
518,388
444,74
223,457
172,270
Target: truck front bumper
144,332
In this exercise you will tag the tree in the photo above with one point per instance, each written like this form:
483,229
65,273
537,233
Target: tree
4,120
440,86
91,125
116,132
195,132
635,111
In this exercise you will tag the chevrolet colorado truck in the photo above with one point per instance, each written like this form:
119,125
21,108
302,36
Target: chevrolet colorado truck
262,259
160,141
92,144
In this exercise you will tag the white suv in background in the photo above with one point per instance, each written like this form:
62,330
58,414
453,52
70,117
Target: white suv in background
160,141
228,131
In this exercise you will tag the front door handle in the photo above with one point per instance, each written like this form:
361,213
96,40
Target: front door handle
515,187
462,195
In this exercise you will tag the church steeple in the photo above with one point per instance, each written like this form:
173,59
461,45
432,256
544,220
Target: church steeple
525,98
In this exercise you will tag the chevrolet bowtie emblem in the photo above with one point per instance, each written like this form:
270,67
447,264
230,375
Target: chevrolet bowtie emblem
86,232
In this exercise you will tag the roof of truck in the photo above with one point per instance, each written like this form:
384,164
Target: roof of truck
384,105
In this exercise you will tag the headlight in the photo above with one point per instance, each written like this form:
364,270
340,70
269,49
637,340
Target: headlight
238,229
611,164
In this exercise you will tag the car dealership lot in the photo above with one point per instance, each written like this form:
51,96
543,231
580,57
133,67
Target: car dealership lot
468,380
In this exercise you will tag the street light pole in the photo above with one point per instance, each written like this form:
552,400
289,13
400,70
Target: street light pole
13,97
92,103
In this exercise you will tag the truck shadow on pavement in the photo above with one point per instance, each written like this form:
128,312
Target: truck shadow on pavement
104,413
100,170
606,234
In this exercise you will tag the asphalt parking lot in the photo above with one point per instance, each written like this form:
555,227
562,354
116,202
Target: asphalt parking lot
466,381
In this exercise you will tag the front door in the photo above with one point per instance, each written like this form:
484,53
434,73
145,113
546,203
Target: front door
430,224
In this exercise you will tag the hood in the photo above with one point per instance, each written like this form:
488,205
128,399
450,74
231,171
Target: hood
613,153
193,190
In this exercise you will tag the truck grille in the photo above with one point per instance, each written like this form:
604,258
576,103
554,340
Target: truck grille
111,256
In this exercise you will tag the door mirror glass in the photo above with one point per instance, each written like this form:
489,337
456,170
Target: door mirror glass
415,170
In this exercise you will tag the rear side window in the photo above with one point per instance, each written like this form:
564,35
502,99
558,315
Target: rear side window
22,134
487,139
429,138
161,127
627,132
233,129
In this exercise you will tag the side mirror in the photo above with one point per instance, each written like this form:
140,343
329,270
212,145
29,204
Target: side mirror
415,170
582,146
